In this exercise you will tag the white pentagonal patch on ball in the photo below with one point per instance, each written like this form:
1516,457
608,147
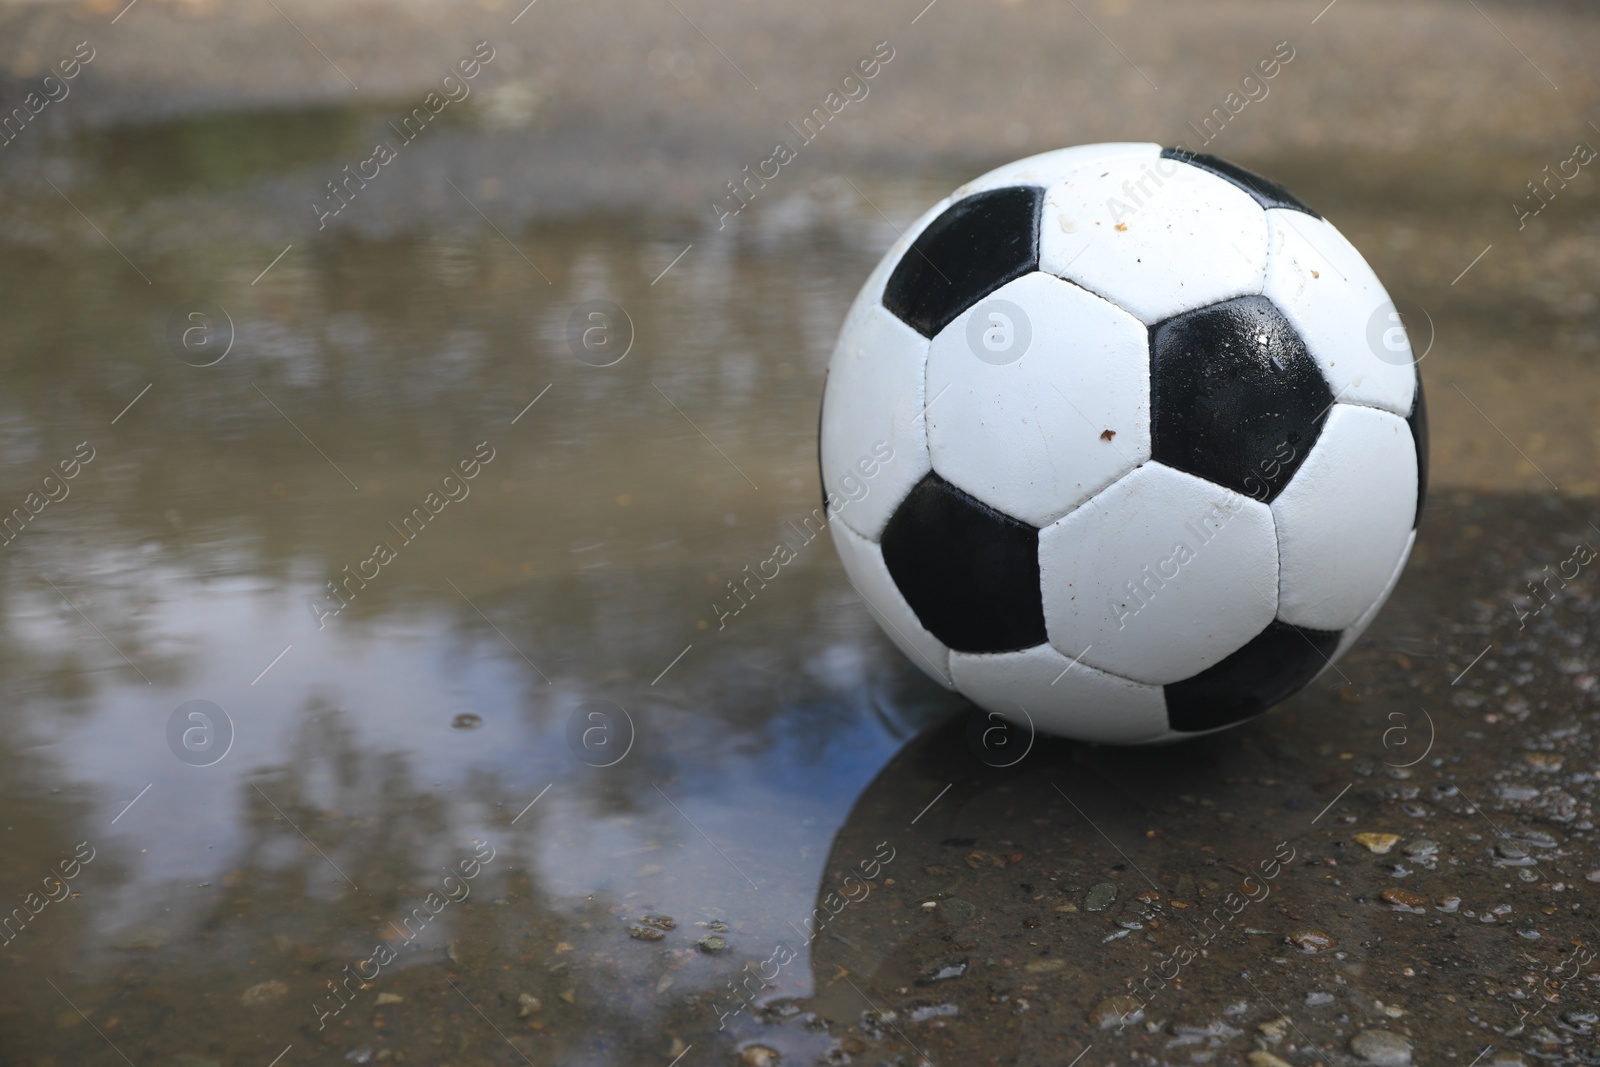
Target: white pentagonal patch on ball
863,563
1047,168
1341,311
1155,236
1038,397
874,432
1359,627
1159,576
1345,518
1060,696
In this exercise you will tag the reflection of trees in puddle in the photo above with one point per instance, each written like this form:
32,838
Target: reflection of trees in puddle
42,826
283,912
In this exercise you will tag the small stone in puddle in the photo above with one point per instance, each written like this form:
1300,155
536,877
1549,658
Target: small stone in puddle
921,1013
389,998
1422,846
660,922
1262,1058
1310,940
1274,1030
467,720
1382,1048
759,1056
645,933
943,970
1404,898
1100,897
712,943
527,1004
1112,1012
1377,843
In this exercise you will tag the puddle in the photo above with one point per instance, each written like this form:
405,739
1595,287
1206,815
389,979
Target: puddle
533,684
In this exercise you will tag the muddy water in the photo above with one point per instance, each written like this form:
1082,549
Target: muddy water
528,773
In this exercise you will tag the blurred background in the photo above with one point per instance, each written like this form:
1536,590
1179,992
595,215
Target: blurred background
276,341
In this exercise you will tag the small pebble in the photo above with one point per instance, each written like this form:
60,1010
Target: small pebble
758,1056
943,971
1100,897
645,933
527,1004
1112,1012
1377,843
660,922
1318,999
1310,940
1510,854
1422,846
712,943
923,1012
1404,898
389,998
1274,1029
467,720
1260,1058
1381,1048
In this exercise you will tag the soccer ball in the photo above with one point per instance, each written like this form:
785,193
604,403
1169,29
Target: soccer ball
1124,442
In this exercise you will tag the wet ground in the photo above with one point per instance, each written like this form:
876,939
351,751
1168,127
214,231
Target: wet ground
518,798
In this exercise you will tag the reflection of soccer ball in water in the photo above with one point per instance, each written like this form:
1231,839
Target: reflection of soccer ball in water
1150,475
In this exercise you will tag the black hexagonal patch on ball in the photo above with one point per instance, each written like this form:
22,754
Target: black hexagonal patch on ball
1418,421
1234,396
1276,662
977,245
970,573
1263,191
